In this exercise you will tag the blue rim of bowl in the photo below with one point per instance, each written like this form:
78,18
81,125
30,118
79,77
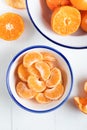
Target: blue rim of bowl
8,72
57,43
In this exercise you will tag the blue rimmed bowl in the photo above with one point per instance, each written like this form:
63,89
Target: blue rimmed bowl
31,105
40,17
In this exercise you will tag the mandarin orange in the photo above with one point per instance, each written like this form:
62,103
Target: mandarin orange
65,20
11,26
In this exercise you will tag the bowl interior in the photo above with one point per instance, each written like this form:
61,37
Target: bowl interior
30,104
40,16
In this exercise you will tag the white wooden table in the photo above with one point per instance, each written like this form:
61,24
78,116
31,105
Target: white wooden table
67,117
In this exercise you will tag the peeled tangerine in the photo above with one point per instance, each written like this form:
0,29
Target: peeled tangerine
23,91
81,103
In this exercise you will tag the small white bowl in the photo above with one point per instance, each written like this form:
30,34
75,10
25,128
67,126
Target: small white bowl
40,17
31,105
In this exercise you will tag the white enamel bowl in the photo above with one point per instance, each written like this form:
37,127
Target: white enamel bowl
31,105
40,17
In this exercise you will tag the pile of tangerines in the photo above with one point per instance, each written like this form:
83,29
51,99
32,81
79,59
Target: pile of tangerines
68,15
39,77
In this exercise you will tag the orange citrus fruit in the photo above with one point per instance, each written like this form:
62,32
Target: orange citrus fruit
54,93
35,84
81,104
31,58
11,26
23,91
84,21
85,86
52,4
65,20
79,4
22,72
40,98
19,4
55,78
44,69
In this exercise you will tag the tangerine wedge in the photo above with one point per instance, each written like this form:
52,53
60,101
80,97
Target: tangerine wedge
23,91
33,71
48,56
35,84
11,26
19,4
44,69
81,104
40,98
31,58
54,93
23,72
55,78
65,20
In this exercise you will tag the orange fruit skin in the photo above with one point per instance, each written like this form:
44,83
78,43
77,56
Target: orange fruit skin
52,4
11,26
81,104
65,20
79,4
84,21
23,91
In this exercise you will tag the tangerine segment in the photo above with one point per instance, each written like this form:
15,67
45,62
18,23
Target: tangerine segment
54,93
33,71
31,57
35,84
51,64
22,72
65,20
79,4
23,91
48,56
40,98
44,69
19,4
55,78
81,104
85,87
11,26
